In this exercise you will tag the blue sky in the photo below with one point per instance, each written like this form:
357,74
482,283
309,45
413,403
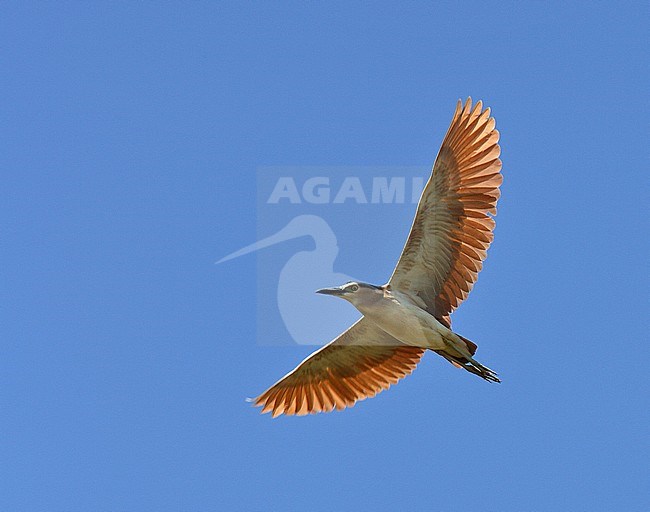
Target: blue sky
131,138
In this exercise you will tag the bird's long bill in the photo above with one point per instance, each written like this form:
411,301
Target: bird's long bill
331,291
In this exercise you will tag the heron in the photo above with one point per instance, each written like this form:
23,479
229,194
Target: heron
410,314
303,272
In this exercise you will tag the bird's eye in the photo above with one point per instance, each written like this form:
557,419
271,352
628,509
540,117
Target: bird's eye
354,288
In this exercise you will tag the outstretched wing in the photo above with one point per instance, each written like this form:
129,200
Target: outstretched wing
452,229
358,364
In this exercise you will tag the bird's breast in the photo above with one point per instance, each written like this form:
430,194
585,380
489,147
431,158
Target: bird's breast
406,322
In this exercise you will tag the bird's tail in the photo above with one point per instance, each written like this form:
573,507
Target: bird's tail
471,346
469,363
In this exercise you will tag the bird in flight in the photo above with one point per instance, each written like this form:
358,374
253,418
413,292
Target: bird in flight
439,264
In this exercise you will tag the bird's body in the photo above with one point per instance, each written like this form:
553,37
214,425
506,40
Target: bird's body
410,314
400,316
403,316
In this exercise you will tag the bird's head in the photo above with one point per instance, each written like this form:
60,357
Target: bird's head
354,292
